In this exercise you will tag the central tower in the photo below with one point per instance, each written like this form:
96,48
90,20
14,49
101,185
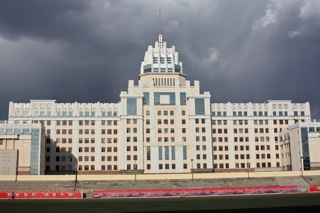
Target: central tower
165,123
162,66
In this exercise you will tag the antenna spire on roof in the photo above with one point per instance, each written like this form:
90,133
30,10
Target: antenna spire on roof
160,36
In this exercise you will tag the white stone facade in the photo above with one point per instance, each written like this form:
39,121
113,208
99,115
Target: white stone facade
162,124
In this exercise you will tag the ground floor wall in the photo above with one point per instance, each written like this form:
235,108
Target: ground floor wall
137,176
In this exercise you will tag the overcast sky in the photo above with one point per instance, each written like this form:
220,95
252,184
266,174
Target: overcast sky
87,50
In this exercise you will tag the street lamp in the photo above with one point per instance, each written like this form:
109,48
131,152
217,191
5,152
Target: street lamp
192,169
301,162
16,174
248,168
135,171
17,163
76,175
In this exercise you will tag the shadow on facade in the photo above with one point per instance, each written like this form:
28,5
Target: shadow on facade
59,160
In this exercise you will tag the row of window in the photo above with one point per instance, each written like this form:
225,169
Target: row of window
110,114
241,130
241,148
63,150
89,131
162,60
202,138
243,165
108,131
165,121
243,139
61,168
166,139
198,147
184,152
257,113
60,158
83,140
86,158
83,158
135,148
109,140
103,149
134,130
84,122
163,82
165,130
243,156
245,122
173,166
63,114
132,139
115,167
165,112
224,139
15,131
160,166
87,149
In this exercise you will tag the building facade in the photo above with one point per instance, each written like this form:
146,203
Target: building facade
21,148
163,123
300,145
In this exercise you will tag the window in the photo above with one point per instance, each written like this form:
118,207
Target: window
166,152
132,106
146,98
148,153
160,152
199,106
184,152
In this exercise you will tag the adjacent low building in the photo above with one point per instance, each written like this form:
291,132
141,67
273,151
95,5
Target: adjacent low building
300,145
21,148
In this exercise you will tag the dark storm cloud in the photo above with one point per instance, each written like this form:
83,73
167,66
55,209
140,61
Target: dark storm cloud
87,50
41,19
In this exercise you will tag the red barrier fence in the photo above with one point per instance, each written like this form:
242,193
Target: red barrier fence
34,194
193,192
314,188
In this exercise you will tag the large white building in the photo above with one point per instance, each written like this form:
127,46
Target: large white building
162,124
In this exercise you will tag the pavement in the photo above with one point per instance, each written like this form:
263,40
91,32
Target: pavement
302,183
